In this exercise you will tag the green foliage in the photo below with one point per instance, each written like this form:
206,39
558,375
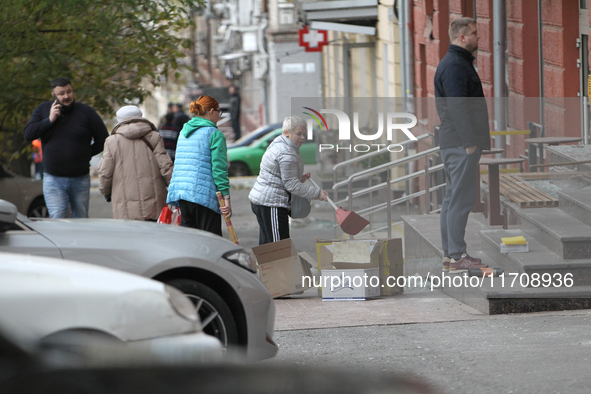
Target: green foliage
107,48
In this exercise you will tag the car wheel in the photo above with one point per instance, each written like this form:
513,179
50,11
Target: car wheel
38,209
216,318
238,168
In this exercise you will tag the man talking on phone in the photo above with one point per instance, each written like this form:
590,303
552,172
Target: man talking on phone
71,133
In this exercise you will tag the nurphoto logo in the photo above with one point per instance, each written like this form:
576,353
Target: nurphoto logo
391,119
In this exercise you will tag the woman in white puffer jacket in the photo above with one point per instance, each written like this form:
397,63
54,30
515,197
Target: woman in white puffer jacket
280,176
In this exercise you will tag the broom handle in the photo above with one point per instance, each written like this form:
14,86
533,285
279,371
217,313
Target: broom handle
229,225
327,198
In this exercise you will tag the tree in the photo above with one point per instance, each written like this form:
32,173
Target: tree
107,48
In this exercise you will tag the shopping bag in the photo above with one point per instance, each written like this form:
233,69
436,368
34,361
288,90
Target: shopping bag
170,215
176,216
165,215
300,207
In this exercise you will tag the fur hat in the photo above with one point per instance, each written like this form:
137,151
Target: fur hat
127,112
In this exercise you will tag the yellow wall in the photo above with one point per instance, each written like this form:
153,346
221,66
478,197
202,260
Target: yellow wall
388,37
368,66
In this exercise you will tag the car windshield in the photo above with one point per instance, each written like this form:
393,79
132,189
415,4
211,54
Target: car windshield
255,134
269,137
250,135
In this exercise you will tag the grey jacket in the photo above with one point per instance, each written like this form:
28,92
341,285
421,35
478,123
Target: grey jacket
280,176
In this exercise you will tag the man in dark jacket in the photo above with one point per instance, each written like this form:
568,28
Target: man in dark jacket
235,111
180,117
464,133
170,134
71,133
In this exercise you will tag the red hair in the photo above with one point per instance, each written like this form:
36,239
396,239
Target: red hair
203,105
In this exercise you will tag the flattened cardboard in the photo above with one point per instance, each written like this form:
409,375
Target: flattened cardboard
281,268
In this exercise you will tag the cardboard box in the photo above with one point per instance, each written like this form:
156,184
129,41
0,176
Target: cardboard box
385,254
392,264
305,256
281,268
350,284
357,254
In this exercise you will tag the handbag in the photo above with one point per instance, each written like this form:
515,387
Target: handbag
170,216
300,207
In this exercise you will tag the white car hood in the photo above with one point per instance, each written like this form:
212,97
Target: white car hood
42,296
40,274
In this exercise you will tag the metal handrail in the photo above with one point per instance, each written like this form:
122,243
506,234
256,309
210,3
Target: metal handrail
386,167
383,184
370,155
382,167
383,205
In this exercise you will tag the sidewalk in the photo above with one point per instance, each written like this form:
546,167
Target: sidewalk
310,312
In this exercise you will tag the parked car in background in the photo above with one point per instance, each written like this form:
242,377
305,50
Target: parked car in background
25,193
219,276
249,138
50,300
246,160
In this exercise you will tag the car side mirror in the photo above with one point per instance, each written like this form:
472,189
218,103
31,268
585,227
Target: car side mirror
7,215
264,145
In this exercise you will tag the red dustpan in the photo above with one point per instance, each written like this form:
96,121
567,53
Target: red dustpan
350,222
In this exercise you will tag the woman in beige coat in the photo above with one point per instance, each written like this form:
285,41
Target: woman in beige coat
135,169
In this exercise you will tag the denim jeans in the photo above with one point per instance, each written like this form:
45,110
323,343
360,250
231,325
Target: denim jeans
59,192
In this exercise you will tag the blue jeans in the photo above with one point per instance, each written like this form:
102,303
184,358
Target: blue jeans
59,192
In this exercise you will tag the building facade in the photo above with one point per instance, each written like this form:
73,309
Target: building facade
543,58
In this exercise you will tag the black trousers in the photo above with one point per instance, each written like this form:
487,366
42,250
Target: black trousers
199,217
273,223
236,128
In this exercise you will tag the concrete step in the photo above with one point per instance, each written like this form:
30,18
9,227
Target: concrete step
560,232
506,294
472,292
423,256
577,203
568,153
422,243
539,260
542,299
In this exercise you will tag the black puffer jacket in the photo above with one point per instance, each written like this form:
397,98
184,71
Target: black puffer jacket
460,102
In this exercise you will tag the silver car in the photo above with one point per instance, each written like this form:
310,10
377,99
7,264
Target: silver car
25,193
218,275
